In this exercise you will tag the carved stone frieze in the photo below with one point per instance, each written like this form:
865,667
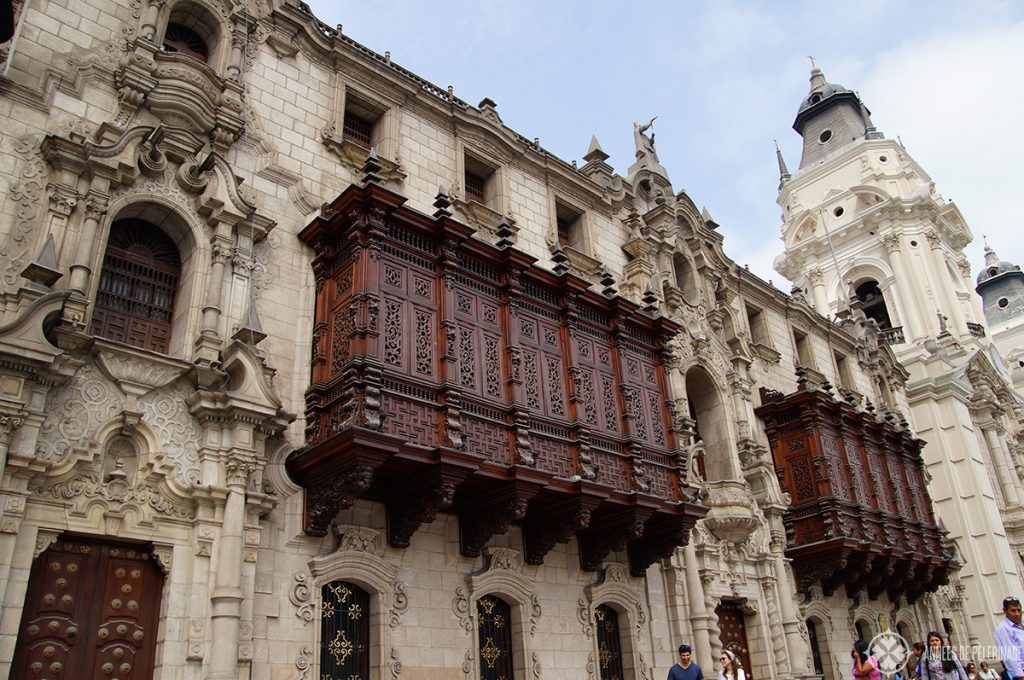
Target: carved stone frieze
74,412
85,488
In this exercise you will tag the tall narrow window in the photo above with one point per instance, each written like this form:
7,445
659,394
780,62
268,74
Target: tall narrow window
756,323
569,222
344,631
359,124
494,620
609,649
479,180
135,301
803,349
812,636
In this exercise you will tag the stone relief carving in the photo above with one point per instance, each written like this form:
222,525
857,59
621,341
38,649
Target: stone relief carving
27,194
535,667
467,665
300,595
591,667
303,661
75,411
644,670
395,666
357,539
399,603
460,605
585,617
535,612
178,431
91,485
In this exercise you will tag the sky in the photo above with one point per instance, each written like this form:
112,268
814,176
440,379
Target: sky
725,79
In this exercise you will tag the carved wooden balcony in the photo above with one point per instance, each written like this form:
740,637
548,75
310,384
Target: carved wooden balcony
860,515
450,375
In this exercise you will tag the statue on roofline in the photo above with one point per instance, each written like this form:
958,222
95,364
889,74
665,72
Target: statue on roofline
644,144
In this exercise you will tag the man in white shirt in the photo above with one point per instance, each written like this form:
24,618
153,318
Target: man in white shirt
1010,639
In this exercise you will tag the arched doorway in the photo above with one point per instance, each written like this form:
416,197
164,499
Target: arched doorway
91,611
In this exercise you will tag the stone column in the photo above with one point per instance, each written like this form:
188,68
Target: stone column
795,645
940,283
226,601
1004,471
913,323
207,345
816,278
81,268
698,612
233,68
150,19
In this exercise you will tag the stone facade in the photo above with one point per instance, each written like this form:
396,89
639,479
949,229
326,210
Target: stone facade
223,128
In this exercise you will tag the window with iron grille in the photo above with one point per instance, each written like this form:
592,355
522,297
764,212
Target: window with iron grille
494,619
183,40
344,631
609,649
475,187
135,300
357,129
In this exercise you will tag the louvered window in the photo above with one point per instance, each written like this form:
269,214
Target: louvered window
135,301
357,129
609,649
183,40
494,620
344,632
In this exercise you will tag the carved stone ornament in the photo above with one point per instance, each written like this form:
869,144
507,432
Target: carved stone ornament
399,603
304,660
460,606
300,595
535,667
591,667
535,613
358,539
467,665
584,616
395,666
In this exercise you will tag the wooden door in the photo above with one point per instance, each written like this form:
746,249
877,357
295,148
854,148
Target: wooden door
733,634
91,611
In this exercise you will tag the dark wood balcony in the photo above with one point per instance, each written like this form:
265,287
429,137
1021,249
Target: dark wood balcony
450,375
860,515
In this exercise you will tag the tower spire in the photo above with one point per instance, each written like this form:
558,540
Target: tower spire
784,175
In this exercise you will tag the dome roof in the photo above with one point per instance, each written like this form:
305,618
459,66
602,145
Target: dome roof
995,267
821,89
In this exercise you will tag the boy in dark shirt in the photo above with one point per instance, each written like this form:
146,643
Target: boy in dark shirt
685,669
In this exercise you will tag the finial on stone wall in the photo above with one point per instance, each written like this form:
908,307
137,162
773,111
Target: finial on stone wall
608,281
505,234
43,270
371,167
650,300
595,152
560,258
250,332
442,203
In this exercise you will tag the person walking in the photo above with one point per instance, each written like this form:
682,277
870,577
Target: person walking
685,668
939,661
1010,639
732,667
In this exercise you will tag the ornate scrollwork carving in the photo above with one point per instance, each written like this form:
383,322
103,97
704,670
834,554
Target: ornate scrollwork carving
300,595
303,662
460,605
535,614
467,665
399,603
324,501
585,617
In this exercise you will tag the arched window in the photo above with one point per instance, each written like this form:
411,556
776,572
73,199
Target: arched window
873,303
344,631
494,621
192,31
135,301
712,425
609,647
183,40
